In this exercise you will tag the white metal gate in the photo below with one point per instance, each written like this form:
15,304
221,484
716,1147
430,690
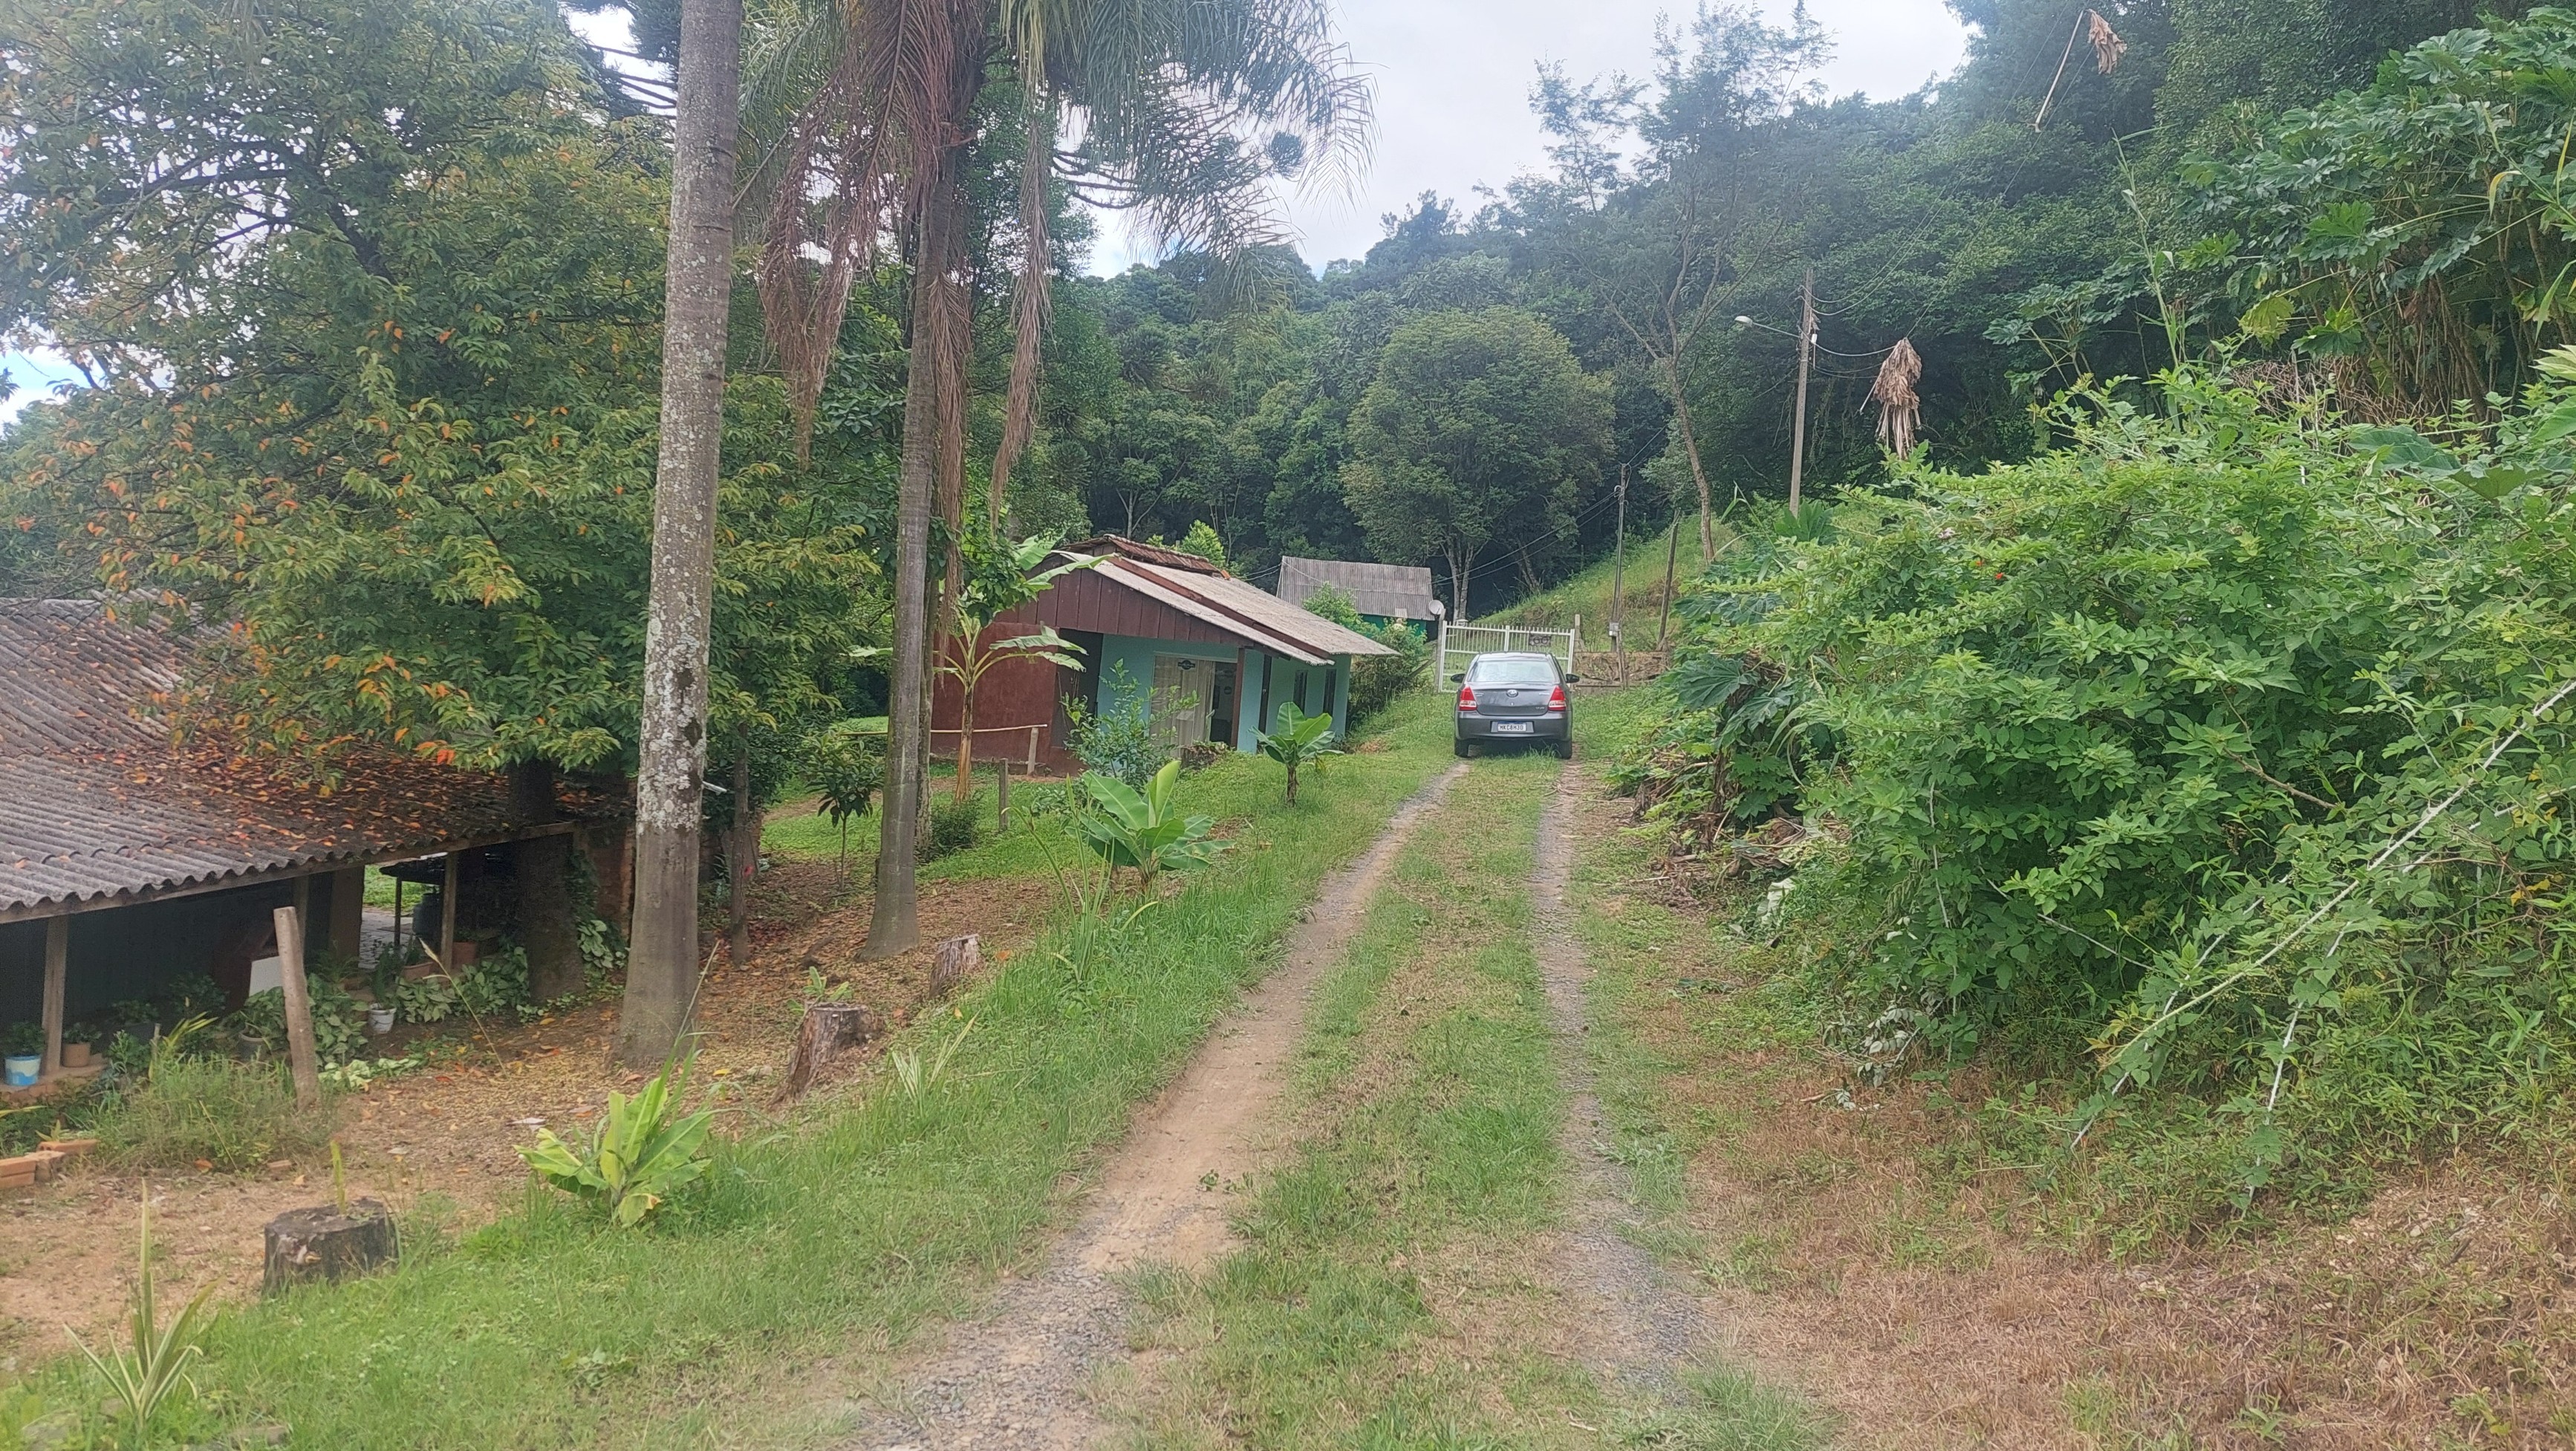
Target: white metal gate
1468,641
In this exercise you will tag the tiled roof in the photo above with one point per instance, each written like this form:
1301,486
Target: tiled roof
97,801
1394,591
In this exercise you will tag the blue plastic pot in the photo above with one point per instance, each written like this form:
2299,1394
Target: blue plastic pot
21,1071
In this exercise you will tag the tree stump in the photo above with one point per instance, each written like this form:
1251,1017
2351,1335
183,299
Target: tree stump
828,1031
959,958
321,1243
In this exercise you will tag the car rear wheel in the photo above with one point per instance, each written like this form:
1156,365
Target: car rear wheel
1565,750
1466,748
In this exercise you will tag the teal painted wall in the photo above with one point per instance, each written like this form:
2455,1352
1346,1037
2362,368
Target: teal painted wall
1323,684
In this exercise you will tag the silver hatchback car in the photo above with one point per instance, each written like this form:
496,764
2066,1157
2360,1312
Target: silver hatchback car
1514,699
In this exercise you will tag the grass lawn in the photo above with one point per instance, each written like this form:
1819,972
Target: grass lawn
837,1234
1398,1286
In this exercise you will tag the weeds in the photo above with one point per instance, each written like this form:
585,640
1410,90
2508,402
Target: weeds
915,1076
192,1110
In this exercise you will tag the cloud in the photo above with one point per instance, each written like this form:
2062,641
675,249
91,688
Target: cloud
1453,80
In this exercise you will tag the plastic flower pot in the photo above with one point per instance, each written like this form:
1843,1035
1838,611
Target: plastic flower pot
19,1070
380,1021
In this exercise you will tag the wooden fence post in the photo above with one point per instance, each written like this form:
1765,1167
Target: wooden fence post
1002,793
299,1010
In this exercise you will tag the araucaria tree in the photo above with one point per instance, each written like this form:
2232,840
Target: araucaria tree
1189,111
1481,428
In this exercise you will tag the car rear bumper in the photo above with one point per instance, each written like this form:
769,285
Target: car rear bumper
1549,727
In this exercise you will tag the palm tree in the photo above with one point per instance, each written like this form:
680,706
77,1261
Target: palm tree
661,976
1187,112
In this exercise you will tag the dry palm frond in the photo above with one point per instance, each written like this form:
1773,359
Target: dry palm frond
1900,410
2108,47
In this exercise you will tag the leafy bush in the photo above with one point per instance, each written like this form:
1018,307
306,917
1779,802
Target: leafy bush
955,826
22,1038
1118,742
490,987
1377,681
191,1107
2206,745
339,1023
642,1151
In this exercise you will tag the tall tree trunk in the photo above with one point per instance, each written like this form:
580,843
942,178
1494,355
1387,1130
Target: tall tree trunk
1690,446
742,862
546,930
661,977
893,924
1529,572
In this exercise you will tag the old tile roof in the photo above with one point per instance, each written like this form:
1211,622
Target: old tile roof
97,801
1390,591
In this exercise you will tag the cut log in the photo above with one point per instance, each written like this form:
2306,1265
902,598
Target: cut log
959,959
828,1031
321,1243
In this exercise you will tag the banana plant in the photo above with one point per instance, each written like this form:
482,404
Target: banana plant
1143,831
640,1153
1301,740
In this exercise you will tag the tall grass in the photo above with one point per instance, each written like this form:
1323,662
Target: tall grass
193,1110
855,1226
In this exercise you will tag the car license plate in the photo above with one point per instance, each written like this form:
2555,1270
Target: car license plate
1511,728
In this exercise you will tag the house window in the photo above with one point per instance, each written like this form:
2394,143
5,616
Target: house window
1301,690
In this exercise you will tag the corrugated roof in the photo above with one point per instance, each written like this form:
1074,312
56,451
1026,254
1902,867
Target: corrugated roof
101,803
1259,609
1392,591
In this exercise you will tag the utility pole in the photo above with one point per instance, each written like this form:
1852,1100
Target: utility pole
1806,355
1619,582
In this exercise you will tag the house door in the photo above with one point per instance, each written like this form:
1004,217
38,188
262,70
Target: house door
1181,689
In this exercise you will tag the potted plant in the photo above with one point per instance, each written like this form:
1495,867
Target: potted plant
22,1054
382,984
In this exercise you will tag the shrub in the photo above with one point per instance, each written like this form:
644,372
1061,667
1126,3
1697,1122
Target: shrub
1377,681
955,826
192,1107
339,1024
1118,742
2204,745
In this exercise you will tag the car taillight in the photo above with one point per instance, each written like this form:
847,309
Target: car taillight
1466,697
1556,698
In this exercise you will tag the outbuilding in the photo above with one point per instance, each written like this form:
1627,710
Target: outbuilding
132,860
1383,594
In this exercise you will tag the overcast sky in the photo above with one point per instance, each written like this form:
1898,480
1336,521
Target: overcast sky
1453,80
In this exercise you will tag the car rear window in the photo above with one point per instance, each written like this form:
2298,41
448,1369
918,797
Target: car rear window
1512,672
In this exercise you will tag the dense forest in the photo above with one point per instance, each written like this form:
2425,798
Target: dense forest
2172,177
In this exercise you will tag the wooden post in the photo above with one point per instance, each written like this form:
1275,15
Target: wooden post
1806,354
1033,749
1672,552
447,920
299,1010
1002,793
58,958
